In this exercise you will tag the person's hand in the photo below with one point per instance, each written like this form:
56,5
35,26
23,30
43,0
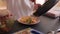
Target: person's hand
36,6
32,0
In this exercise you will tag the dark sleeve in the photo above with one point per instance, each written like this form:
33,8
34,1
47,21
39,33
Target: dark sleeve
48,5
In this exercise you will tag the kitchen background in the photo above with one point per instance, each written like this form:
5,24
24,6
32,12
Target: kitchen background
48,24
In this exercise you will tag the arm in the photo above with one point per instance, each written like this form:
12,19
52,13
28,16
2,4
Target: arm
48,5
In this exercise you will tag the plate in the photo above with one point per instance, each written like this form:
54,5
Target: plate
28,31
32,23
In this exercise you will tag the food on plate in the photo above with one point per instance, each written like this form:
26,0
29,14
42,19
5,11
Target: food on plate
3,27
25,31
28,31
5,20
28,20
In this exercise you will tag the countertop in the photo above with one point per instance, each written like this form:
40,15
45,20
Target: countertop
46,24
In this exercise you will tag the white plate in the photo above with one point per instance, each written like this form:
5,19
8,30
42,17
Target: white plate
38,21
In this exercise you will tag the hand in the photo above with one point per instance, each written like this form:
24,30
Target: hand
32,0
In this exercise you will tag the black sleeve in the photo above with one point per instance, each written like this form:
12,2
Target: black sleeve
48,5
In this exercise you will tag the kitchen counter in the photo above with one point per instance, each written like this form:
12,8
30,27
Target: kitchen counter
44,26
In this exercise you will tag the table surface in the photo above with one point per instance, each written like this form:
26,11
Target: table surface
46,24
18,26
